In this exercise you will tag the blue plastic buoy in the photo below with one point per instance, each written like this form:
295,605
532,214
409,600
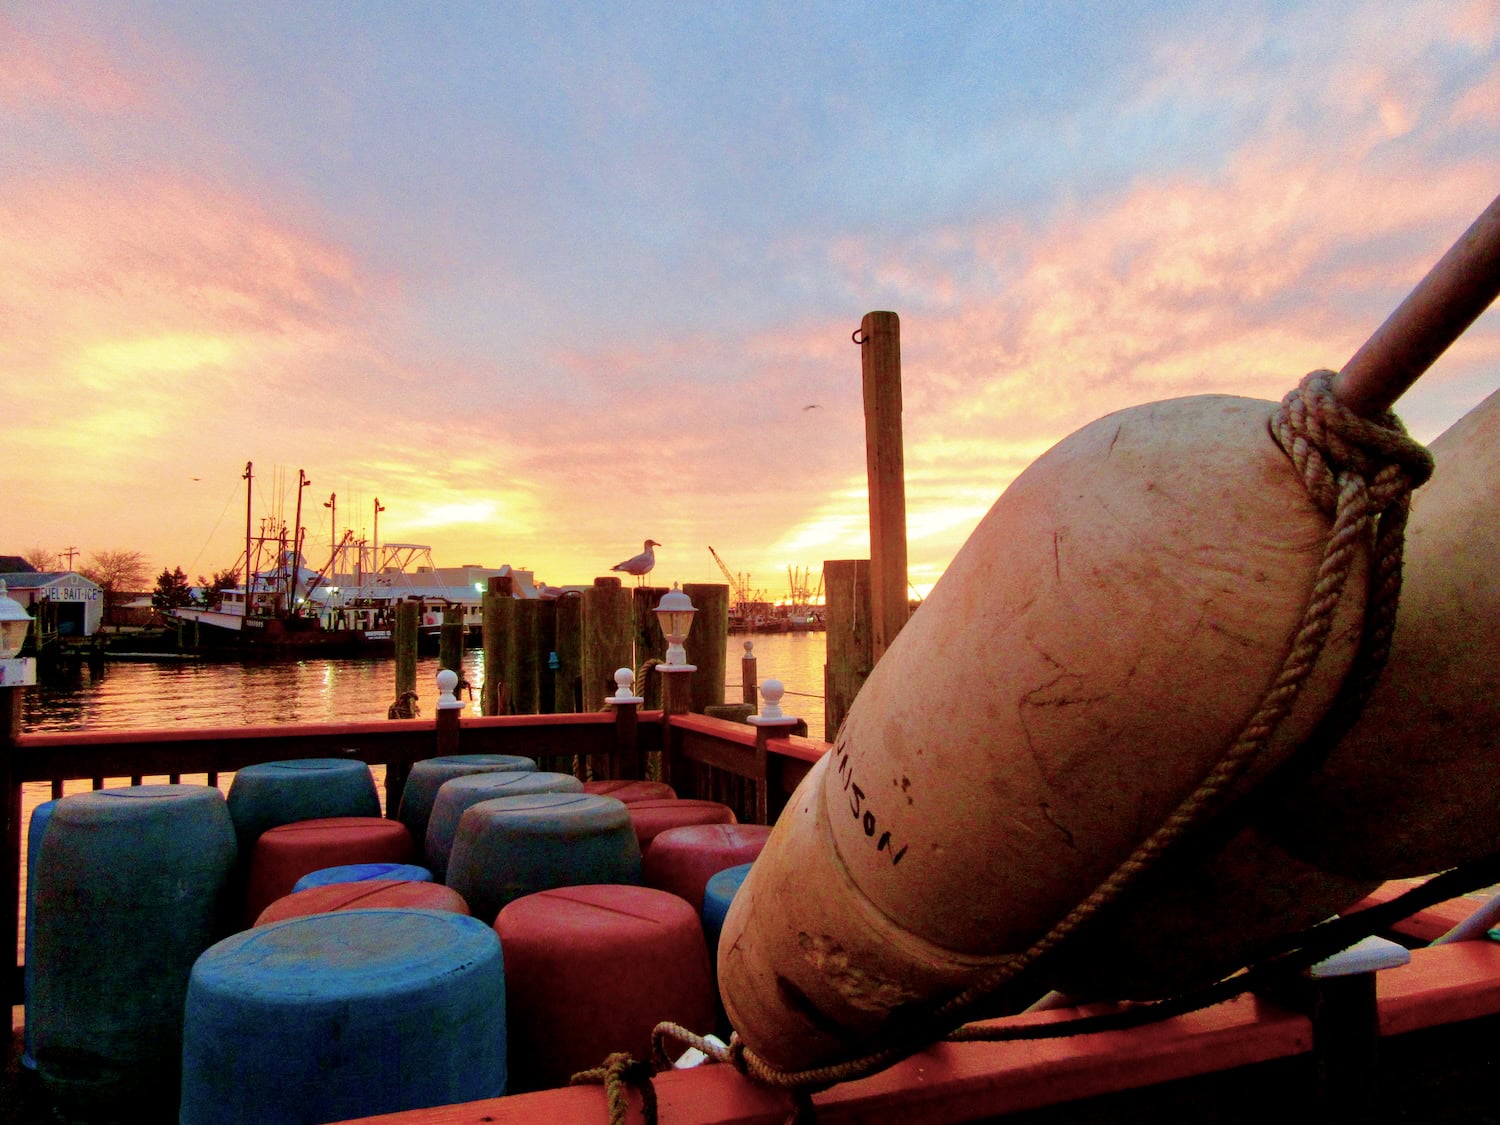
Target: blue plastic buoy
514,846
428,775
460,793
131,886
718,893
349,1014
362,873
270,794
39,818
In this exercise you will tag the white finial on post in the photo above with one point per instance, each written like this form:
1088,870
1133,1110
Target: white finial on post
771,692
447,682
624,678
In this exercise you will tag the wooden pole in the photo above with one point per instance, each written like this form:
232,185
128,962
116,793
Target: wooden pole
525,697
546,656
649,641
846,584
707,643
451,640
880,364
567,680
499,613
606,639
1444,303
406,647
626,760
749,679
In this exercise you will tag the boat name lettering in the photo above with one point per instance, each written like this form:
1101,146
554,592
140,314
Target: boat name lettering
865,815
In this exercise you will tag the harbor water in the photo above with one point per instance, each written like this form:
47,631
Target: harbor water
196,693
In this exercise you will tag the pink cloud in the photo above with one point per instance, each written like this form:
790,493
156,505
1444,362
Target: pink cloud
70,72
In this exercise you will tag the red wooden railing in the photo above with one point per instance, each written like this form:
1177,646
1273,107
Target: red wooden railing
753,769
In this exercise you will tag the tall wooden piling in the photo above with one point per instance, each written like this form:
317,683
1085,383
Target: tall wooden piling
607,631
880,365
567,677
498,634
846,584
451,640
406,648
650,642
525,696
707,642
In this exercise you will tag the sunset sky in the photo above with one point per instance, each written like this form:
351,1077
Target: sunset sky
550,278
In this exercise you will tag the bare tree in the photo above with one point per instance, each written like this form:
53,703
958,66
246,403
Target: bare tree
41,558
118,573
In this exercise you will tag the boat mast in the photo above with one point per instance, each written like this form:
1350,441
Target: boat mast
249,478
302,482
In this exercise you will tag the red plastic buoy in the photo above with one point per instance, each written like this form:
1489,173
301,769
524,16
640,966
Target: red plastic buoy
622,789
284,854
591,971
652,818
682,860
373,894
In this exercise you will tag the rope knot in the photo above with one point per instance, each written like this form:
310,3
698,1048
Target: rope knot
616,1075
1329,444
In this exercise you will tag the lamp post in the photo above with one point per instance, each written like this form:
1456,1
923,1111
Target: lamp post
14,671
675,614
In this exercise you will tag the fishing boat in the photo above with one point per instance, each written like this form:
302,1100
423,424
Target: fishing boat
346,608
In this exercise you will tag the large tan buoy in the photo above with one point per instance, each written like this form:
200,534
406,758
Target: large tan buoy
1100,640
1097,646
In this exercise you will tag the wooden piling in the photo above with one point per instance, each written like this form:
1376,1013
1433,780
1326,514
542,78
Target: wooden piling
406,648
451,640
607,630
498,633
650,642
749,677
525,696
707,642
546,656
846,584
880,364
567,677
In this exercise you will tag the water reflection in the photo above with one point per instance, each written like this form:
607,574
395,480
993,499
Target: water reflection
189,693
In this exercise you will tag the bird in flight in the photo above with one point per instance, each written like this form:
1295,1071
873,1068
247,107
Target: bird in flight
640,565
812,406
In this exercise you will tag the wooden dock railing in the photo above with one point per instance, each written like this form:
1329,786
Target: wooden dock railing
753,769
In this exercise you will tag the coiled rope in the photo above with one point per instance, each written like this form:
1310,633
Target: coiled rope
1361,473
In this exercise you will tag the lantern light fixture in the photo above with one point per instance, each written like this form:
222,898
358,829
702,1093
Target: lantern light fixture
14,622
675,614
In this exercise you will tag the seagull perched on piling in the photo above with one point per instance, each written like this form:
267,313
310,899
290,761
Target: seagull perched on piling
641,564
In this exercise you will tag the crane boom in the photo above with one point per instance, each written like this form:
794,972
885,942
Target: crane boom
741,594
